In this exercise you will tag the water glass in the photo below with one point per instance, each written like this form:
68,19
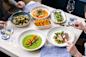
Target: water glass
6,33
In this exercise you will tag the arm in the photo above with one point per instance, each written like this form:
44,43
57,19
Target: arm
85,28
13,2
19,4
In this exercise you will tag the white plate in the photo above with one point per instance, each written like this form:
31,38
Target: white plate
36,32
37,8
52,32
62,13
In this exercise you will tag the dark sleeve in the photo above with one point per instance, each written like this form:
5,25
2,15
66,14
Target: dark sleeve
3,13
83,1
83,36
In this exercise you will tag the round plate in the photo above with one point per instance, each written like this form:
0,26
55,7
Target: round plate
38,8
29,32
20,13
62,13
52,32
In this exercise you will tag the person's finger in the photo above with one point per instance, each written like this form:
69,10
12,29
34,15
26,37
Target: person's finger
1,26
2,22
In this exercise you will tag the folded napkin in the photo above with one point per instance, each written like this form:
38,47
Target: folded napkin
30,6
53,51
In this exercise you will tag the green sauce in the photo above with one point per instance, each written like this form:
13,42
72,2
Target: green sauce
34,45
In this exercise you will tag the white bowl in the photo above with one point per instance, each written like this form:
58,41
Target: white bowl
20,13
62,13
37,8
44,26
52,32
36,32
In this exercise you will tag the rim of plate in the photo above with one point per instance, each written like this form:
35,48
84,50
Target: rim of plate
23,34
62,13
51,34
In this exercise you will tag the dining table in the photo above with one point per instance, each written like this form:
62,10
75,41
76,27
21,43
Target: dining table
11,46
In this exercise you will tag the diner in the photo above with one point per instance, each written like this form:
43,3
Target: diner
42,29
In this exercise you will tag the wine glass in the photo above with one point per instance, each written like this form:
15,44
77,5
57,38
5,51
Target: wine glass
70,6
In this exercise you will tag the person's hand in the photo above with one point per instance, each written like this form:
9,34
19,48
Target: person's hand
3,24
71,48
20,4
79,25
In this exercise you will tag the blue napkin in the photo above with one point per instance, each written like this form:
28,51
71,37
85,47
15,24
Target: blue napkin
29,7
53,51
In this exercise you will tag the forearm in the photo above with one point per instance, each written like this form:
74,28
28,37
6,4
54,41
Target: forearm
84,28
78,54
13,2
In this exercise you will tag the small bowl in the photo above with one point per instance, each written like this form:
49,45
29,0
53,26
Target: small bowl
42,23
62,14
39,8
26,17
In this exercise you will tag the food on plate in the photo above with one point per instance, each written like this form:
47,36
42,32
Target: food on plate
42,22
58,17
39,13
20,20
32,41
61,37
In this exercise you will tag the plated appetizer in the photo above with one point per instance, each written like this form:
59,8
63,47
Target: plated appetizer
58,36
58,16
61,37
40,12
42,23
32,41
20,19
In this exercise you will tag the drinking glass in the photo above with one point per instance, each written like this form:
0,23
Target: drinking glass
70,6
6,33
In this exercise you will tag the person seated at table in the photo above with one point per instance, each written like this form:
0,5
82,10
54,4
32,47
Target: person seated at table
79,11
62,4
70,46
4,14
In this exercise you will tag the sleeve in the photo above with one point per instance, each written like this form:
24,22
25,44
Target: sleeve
83,1
13,2
3,13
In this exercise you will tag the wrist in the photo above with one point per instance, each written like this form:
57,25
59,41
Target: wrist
84,28
78,54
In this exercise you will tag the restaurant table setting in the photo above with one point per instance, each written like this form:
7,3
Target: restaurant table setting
40,31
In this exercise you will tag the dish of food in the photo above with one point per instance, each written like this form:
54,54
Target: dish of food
20,19
58,16
59,35
40,12
31,40
42,23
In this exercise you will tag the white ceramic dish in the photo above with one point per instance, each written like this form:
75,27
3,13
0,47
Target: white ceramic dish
44,26
20,13
36,32
62,13
52,32
38,8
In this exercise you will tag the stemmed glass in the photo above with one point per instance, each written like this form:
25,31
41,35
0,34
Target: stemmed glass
70,6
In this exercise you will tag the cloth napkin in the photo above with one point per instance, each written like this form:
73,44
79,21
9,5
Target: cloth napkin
30,6
53,51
